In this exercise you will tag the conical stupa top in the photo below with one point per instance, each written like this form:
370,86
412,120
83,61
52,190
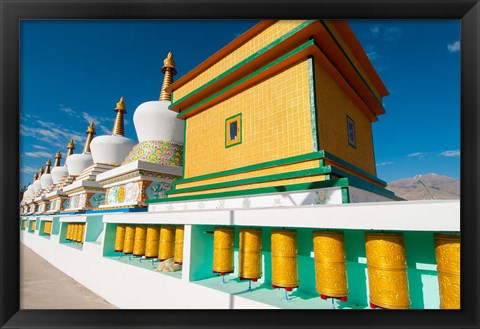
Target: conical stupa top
41,172
118,127
70,147
90,133
58,156
48,164
169,70
35,176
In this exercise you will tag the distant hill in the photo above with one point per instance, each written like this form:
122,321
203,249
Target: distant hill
440,187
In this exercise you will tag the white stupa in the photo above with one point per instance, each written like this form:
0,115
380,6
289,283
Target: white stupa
157,127
155,162
112,149
37,184
29,193
76,163
59,171
46,179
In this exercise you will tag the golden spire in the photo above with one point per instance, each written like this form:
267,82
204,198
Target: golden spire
90,133
35,177
169,70
58,156
118,128
70,147
41,172
48,164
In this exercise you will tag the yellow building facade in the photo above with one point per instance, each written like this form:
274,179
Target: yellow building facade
288,103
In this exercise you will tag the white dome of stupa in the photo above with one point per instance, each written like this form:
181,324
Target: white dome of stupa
46,179
59,171
159,131
112,149
37,184
155,122
76,163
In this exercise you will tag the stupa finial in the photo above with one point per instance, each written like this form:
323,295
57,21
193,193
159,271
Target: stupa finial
70,148
41,172
48,165
35,176
118,127
169,70
90,132
58,156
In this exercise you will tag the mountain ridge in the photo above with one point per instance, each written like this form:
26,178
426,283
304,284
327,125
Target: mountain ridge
429,186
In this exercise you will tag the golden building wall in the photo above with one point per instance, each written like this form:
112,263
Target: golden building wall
282,182
276,124
311,164
354,60
333,106
250,47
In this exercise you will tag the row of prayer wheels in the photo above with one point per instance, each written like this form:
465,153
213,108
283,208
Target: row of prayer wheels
47,227
76,232
152,241
386,262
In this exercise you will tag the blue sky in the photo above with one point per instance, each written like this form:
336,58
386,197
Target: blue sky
73,72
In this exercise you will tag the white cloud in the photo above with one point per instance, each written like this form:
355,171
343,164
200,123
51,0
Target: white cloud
38,154
28,170
384,163
375,31
98,122
416,154
39,147
69,111
454,47
452,153
390,33
53,134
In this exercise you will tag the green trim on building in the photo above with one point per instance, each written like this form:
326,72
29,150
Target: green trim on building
352,167
258,166
247,77
184,146
247,60
364,185
253,180
239,115
345,195
352,64
340,182
313,103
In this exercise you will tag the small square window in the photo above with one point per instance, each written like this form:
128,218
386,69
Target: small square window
352,139
233,130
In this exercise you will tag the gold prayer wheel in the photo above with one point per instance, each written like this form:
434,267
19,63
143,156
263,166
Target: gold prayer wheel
223,238
119,238
81,237
129,239
178,252
330,264
49,227
152,239
284,259
139,241
34,225
447,254
67,234
45,228
250,253
24,224
387,270
74,232
166,243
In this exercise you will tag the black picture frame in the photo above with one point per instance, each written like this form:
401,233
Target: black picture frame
13,11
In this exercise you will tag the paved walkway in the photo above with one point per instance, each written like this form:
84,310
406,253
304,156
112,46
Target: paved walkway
43,286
